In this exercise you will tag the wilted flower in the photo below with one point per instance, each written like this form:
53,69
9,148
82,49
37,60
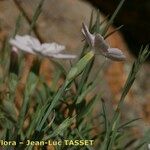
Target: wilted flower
97,42
32,45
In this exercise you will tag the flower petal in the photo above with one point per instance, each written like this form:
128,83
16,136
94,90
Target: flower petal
22,39
52,48
88,36
115,54
63,56
32,45
35,43
100,44
29,41
22,46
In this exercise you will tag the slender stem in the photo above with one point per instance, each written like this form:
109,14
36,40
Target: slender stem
53,104
28,19
113,17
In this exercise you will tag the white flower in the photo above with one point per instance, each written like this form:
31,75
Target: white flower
32,45
97,42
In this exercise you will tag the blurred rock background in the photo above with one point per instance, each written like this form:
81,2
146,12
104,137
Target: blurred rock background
60,21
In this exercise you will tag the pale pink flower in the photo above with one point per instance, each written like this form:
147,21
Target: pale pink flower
97,42
32,45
